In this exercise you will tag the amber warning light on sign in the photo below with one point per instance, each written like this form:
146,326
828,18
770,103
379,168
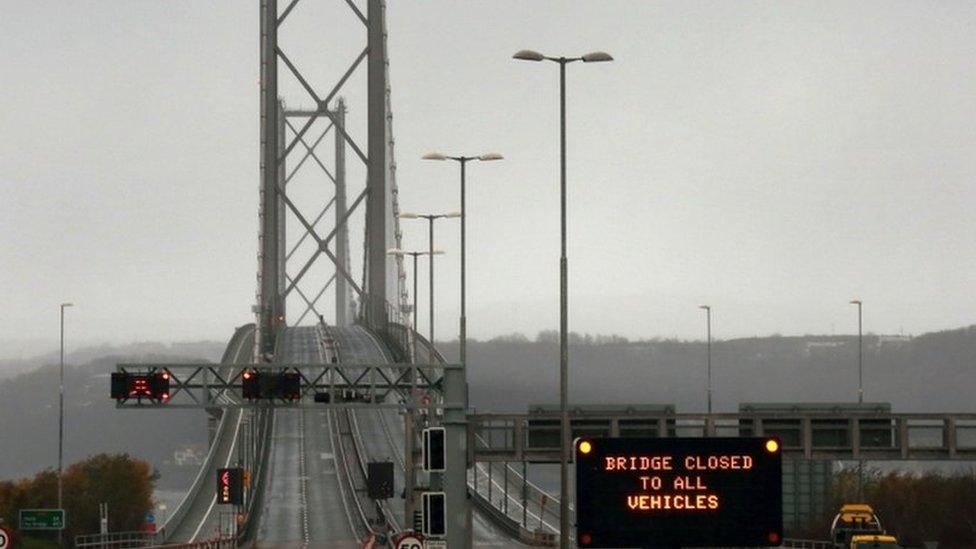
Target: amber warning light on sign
682,492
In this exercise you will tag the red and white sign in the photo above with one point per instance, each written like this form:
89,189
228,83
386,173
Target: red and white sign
410,541
6,538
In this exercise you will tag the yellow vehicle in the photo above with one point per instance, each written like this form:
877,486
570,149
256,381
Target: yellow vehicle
874,541
854,519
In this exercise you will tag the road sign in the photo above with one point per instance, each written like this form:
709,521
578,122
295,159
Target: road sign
150,518
5,538
410,541
230,486
682,492
436,544
379,479
42,519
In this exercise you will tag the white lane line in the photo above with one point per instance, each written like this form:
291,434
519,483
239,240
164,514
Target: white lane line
230,454
237,431
303,477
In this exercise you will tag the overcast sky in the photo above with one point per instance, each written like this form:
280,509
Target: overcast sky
772,159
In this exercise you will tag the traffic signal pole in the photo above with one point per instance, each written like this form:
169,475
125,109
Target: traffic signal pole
455,478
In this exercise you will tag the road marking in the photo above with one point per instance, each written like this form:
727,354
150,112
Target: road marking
326,455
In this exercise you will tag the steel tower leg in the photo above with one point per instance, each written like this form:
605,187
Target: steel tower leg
282,242
342,312
376,315
268,285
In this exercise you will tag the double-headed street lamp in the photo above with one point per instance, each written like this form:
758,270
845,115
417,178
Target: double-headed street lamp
61,418
463,161
708,332
430,250
594,57
415,255
860,353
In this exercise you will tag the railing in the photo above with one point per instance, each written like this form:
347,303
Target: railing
807,435
216,543
115,540
807,544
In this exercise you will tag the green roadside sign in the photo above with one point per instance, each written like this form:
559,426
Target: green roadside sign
42,519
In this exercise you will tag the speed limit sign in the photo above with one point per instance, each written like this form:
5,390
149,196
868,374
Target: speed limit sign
405,541
5,541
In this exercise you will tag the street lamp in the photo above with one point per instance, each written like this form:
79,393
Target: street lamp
860,353
61,418
415,255
593,57
708,331
430,250
463,161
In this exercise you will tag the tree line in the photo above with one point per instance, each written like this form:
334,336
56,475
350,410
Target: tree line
914,507
125,483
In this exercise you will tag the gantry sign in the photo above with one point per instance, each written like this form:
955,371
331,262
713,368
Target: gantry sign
190,385
679,492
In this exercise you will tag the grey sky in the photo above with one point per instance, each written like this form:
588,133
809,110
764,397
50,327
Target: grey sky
773,159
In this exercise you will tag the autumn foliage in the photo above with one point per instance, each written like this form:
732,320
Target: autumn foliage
918,507
125,483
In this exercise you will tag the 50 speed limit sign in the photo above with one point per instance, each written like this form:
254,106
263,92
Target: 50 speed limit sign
406,541
5,541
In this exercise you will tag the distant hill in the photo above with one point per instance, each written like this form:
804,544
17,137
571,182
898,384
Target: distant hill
204,350
29,408
930,372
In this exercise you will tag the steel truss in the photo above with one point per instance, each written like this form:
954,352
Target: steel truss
285,130
410,386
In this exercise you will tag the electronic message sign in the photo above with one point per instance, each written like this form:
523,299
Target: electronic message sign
678,492
230,486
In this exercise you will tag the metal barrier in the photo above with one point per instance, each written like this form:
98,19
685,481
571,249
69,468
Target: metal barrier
216,543
806,544
807,435
115,540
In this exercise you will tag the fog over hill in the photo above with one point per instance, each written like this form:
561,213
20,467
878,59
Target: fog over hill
927,373
205,350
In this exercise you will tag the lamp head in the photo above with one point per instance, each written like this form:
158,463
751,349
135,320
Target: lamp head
528,55
408,215
434,155
487,157
597,57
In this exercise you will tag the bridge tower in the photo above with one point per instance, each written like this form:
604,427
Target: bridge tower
287,265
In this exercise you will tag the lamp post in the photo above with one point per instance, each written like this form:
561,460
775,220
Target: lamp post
594,57
860,390
463,161
415,255
860,353
430,221
708,332
61,421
